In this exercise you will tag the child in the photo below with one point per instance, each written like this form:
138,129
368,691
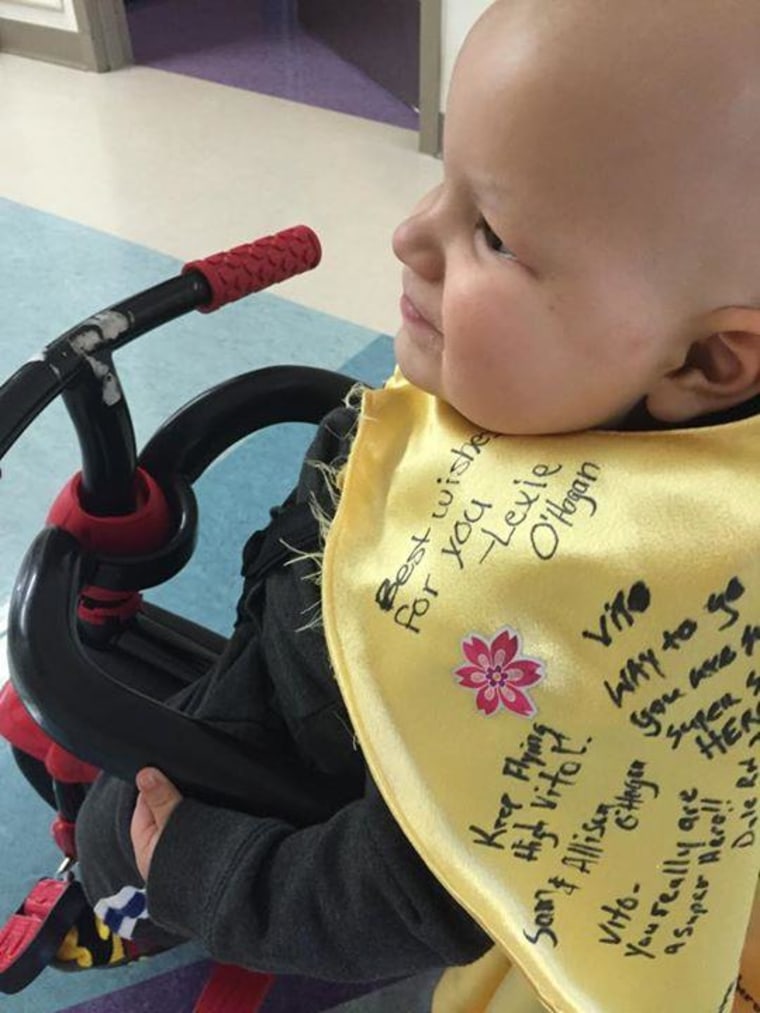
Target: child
588,267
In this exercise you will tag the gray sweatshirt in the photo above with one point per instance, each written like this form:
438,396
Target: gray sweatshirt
346,900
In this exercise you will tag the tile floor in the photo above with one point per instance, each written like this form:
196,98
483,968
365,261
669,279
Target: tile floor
186,166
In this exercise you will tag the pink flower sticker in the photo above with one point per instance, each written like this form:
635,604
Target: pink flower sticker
499,674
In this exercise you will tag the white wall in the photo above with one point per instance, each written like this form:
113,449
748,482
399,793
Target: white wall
50,13
458,16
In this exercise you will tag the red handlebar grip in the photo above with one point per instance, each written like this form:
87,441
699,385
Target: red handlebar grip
254,266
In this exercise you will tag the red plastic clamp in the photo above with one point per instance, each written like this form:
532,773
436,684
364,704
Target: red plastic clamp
30,938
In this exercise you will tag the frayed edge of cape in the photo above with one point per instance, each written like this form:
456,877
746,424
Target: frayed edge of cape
332,477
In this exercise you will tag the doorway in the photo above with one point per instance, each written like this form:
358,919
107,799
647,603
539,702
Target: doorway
382,37
319,52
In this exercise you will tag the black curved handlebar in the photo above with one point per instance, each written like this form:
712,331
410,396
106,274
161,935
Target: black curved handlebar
78,353
79,363
217,419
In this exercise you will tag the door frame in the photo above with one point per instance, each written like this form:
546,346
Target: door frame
105,22
99,42
431,43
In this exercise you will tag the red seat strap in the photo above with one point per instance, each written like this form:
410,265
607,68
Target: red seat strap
233,990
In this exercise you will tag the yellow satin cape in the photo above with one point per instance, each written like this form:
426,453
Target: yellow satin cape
550,651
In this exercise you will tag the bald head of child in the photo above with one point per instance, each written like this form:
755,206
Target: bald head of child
595,244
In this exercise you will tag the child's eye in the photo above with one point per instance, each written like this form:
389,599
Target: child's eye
493,240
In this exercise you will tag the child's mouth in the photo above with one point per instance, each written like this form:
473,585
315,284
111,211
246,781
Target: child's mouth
414,318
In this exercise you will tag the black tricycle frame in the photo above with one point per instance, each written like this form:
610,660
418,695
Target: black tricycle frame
98,690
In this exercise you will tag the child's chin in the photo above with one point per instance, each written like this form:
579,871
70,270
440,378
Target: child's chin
416,365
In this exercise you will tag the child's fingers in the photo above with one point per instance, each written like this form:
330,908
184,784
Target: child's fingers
144,832
156,801
159,794
143,822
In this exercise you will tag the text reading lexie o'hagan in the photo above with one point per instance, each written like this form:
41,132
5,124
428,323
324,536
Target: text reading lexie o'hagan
538,510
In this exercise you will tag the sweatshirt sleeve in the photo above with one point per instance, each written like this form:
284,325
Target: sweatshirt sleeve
345,900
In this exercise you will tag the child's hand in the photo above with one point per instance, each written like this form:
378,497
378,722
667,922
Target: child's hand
156,802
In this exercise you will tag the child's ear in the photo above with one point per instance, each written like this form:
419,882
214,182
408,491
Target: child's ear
721,370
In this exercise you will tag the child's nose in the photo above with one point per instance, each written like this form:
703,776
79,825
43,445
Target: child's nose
417,244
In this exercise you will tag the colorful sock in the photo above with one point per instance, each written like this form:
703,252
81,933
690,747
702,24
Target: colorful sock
90,943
